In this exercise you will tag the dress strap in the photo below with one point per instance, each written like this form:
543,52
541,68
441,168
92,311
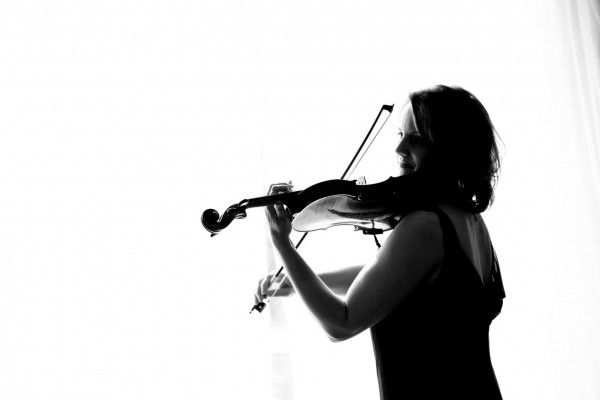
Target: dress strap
496,276
449,235
495,288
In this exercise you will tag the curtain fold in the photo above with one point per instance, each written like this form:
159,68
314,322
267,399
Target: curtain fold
581,29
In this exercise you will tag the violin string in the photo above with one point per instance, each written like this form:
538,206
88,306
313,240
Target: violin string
369,145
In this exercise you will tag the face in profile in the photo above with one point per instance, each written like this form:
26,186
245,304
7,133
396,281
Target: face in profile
412,146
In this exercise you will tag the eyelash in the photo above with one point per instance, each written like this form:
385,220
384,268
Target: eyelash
414,139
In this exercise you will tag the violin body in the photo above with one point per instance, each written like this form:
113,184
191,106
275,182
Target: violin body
343,210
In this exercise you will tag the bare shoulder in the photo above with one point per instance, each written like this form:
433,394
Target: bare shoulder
424,224
418,232
421,218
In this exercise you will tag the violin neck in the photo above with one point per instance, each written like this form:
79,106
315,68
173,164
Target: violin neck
285,198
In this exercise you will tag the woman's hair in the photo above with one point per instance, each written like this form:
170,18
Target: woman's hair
462,141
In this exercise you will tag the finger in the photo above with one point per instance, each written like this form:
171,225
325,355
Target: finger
274,186
274,219
282,185
270,212
277,188
276,287
283,213
280,188
287,214
258,294
279,212
265,284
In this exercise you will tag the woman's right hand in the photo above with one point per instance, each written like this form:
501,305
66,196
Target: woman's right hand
267,285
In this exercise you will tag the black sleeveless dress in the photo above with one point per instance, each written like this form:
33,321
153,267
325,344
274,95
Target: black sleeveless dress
435,344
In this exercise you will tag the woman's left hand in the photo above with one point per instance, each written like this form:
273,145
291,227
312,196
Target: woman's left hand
278,216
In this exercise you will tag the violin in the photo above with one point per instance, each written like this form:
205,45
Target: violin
371,209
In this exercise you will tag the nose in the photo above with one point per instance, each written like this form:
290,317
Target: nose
403,149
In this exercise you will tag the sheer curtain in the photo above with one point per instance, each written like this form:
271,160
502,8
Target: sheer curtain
577,321
581,30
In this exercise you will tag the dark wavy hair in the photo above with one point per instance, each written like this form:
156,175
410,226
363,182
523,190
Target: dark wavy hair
463,151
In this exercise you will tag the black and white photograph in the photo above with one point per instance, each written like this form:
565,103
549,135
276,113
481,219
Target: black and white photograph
278,200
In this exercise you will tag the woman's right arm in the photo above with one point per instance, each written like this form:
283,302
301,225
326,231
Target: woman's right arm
340,280
337,280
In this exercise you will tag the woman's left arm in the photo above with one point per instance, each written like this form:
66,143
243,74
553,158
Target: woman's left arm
410,254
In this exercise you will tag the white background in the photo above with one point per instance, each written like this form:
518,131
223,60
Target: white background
121,121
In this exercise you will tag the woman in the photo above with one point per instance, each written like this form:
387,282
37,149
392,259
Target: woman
435,286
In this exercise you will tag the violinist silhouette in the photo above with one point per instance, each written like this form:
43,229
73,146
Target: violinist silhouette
435,286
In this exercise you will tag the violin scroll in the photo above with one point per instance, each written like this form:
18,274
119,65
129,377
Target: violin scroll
215,223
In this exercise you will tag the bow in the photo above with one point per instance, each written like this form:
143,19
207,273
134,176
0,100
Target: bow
260,306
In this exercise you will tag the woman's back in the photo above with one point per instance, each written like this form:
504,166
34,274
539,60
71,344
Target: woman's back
474,240
435,344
